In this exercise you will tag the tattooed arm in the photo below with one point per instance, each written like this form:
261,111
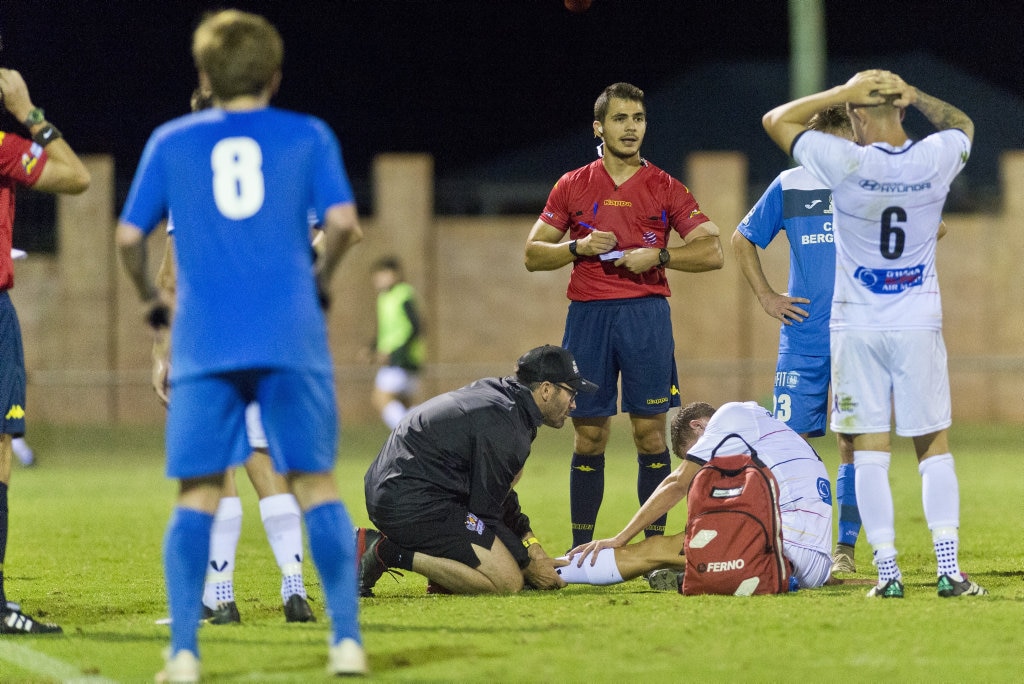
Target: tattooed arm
941,114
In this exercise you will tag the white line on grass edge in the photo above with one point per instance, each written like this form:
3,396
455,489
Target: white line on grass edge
41,664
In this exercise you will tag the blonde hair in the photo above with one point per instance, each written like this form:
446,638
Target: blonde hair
239,52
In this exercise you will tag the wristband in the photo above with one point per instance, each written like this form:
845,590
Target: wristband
159,316
572,248
46,135
35,116
530,542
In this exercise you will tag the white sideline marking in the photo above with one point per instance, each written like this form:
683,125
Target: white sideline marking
41,664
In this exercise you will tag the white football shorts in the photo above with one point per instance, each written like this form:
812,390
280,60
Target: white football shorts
811,568
876,373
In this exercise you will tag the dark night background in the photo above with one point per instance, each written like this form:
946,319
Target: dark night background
472,80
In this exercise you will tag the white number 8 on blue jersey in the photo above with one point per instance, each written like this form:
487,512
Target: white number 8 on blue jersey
238,186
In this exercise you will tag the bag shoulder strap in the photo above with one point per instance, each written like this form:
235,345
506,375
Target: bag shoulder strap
753,452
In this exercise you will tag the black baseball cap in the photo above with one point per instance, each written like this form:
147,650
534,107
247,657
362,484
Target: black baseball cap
552,364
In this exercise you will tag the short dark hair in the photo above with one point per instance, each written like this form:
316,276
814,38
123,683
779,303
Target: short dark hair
623,91
680,430
833,119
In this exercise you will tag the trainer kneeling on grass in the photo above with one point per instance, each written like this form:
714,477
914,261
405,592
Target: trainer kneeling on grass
441,492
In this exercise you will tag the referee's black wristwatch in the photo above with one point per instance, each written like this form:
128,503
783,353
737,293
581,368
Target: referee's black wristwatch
663,256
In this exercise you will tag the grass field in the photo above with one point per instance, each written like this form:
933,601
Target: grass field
87,525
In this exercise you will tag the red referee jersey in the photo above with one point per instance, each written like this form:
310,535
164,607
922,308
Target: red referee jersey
640,212
21,162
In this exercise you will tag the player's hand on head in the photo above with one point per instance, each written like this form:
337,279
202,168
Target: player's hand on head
907,93
871,87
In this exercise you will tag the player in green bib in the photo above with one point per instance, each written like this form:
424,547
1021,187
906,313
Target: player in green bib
398,345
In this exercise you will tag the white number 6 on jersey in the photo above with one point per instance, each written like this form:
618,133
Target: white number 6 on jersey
238,186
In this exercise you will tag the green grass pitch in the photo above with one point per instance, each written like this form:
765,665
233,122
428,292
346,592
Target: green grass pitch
87,527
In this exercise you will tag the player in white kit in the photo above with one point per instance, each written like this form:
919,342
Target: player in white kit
886,325
805,499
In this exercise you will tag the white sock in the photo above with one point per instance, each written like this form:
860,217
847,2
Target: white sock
885,561
874,497
220,572
604,571
393,413
282,520
23,451
940,495
940,491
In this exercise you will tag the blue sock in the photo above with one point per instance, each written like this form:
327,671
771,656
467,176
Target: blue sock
186,547
849,514
333,547
653,469
586,489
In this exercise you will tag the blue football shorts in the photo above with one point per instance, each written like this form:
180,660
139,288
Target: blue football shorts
12,370
627,338
206,421
801,393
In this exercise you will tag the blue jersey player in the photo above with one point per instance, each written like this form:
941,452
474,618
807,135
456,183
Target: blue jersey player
239,181
801,205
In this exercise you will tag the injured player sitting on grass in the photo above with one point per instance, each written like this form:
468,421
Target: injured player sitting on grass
696,430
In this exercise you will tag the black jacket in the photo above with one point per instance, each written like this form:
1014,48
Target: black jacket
460,449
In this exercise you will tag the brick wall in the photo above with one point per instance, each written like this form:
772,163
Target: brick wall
88,354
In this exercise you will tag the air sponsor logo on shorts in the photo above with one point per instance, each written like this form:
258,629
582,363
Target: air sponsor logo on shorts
890,280
15,412
474,524
825,490
721,566
657,400
787,379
